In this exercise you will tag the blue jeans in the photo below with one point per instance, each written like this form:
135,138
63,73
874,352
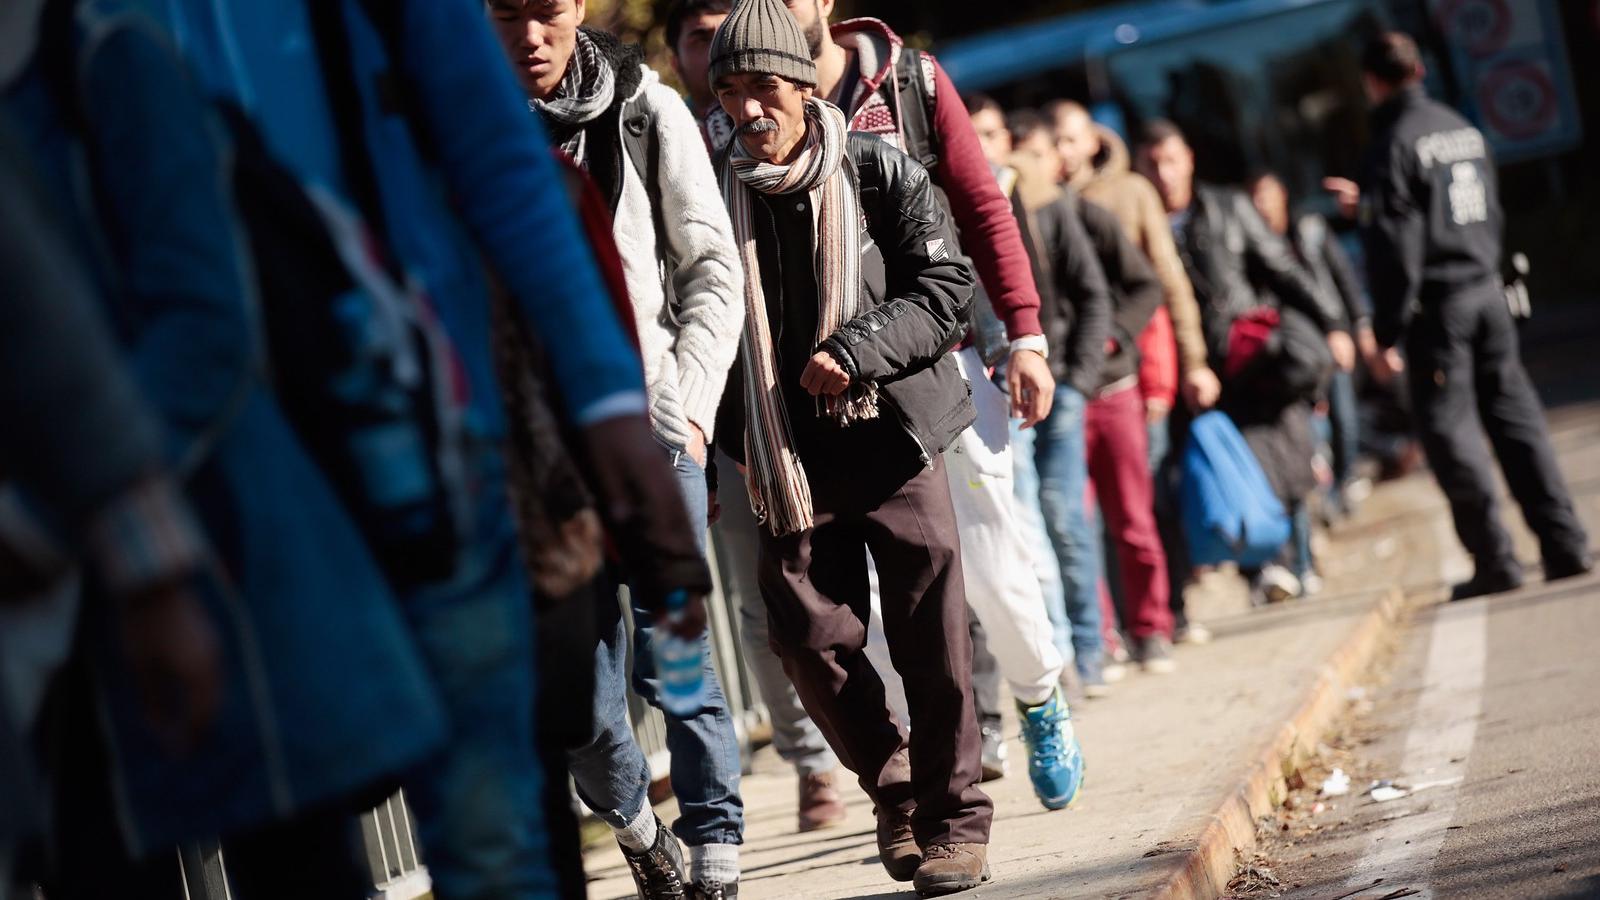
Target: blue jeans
1298,553
1025,481
1160,446
478,802
1341,430
1063,478
611,772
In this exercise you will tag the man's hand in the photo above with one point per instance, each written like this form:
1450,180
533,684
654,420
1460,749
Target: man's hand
1201,388
1033,388
713,507
1344,350
1346,193
1386,364
642,506
1156,409
697,445
690,623
171,647
573,558
1367,343
824,376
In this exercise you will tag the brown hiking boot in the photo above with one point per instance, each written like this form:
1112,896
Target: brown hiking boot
948,868
897,845
820,805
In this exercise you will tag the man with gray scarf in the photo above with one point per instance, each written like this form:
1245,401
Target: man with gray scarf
634,136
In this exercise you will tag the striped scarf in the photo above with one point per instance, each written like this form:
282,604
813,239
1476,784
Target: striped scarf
780,495
585,91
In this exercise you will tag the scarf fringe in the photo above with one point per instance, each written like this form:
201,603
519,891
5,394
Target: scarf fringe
780,494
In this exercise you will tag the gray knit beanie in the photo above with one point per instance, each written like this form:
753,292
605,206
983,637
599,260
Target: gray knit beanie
762,36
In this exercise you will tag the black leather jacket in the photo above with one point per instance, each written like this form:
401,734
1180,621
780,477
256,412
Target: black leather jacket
1237,263
919,285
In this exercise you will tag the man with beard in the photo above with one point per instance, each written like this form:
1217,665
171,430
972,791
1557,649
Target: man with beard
609,111
690,25
1243,272
845,401
1095,162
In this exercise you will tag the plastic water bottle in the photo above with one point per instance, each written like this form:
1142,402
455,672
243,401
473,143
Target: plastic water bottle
680,664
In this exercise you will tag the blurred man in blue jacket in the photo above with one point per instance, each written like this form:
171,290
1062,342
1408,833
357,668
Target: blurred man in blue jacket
463,176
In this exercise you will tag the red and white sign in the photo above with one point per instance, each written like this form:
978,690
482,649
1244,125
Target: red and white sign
1518,99
1480,27
1510,58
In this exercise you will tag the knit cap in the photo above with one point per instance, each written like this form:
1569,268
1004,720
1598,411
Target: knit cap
762,36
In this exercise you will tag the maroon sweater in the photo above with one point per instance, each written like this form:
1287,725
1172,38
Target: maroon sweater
983,215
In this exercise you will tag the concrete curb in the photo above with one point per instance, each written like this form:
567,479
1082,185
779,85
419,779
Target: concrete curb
1206,869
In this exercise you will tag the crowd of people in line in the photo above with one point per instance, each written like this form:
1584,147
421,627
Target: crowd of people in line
376,398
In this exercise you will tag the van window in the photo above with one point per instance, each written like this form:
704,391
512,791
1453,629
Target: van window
1281,90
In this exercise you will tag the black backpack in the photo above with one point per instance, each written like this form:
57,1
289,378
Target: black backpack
910,93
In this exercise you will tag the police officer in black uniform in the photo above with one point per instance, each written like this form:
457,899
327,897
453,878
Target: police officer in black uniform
1431,223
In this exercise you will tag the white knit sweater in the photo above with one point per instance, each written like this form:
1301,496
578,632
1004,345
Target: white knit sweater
689,318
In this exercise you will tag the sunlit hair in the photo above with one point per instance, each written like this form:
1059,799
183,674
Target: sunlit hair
1392,58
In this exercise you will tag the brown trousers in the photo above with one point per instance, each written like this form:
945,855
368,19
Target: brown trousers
816,590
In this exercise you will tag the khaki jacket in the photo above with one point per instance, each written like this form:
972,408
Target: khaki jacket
1111,183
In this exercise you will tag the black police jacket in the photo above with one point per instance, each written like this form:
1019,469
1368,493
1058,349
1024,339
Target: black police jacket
918,284
1230,252
1430,210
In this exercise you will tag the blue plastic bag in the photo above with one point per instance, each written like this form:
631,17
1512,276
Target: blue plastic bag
1230,513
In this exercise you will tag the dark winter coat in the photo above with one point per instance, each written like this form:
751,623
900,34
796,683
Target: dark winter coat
1136,292
1076,311
919,288
1319,250
1229,253
1430,210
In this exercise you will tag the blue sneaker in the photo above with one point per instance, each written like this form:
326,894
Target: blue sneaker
1055,759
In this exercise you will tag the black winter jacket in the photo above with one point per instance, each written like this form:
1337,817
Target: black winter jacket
1136,292
1229,251
1430,210
919,286
1319,250
1076,301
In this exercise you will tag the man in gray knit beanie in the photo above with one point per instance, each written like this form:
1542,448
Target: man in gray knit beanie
762,36
840,409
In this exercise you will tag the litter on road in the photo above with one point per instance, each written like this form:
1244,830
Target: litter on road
1337,784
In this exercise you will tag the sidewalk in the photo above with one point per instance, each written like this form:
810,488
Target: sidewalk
1166,756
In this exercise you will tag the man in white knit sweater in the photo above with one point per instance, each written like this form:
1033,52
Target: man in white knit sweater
643,149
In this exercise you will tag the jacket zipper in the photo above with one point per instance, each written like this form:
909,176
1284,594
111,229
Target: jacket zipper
922,450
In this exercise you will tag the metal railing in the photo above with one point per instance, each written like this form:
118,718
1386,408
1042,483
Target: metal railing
388,833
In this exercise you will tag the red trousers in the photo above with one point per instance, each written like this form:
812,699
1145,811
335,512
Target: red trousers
1118,447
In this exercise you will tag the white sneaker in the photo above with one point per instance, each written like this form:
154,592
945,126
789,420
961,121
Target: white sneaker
1192,633
1113,672
1311,585
1279,584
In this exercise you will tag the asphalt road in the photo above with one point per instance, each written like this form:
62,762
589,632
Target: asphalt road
1489,713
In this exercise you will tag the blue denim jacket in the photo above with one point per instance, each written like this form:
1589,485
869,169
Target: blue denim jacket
485,188
300,606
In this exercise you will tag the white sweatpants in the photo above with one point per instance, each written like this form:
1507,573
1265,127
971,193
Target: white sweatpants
996,561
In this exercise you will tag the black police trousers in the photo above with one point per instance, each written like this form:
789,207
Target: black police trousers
1467,379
